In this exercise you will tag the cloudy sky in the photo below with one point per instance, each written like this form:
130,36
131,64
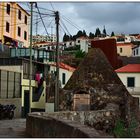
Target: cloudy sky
121,17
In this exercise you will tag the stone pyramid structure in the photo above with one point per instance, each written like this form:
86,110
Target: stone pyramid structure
95,76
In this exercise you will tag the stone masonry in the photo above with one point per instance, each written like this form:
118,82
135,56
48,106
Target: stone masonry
96,77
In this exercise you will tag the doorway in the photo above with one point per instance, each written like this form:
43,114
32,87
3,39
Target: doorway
26,102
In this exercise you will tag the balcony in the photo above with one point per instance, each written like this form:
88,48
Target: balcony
39,55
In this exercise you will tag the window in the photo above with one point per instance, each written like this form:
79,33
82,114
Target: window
25,19
19,14
78,41
120,50
63,78
8,9
134,52
130,81
70,43
137,51
25,70
19,31
7,27
25,35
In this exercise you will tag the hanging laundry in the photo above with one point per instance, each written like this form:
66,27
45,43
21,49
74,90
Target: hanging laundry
37,77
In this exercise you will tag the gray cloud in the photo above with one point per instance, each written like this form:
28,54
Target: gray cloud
117,17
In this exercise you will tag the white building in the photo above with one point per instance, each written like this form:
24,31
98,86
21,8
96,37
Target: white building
130,77
65,72
68,44
48,45
83,43
136,51
41,38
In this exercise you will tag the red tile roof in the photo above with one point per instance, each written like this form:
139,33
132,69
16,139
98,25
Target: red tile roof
138,37
130,68
65,66
42,42
54,43
124,44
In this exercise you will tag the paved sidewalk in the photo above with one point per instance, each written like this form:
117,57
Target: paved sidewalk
13,128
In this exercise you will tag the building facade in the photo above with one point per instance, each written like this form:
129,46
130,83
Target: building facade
65,72
136,51
20,68
124,49
108,46
14,30
130,77
68,44
41,38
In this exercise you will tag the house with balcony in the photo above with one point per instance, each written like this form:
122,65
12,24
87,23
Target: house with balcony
14,29
38,82
18,61
42,65
130,77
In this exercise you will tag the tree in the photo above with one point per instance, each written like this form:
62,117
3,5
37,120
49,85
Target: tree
66,37
112,34
84,33
71,38
104,31
79,34
91,35
80,54
74,37
98,32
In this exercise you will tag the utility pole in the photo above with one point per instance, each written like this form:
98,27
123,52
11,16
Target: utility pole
56,105
36,25
30,78
2,28
52,34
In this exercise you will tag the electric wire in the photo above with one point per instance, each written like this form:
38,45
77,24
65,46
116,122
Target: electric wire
52,6
12,8
71,22
23,23
65,27
42,20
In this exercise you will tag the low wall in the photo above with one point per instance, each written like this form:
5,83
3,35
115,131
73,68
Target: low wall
16,102
101,119
39,127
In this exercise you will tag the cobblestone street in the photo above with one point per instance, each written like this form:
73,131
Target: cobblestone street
13,128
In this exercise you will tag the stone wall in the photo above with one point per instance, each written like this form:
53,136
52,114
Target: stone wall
40,126
96,77
72,123
100,120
